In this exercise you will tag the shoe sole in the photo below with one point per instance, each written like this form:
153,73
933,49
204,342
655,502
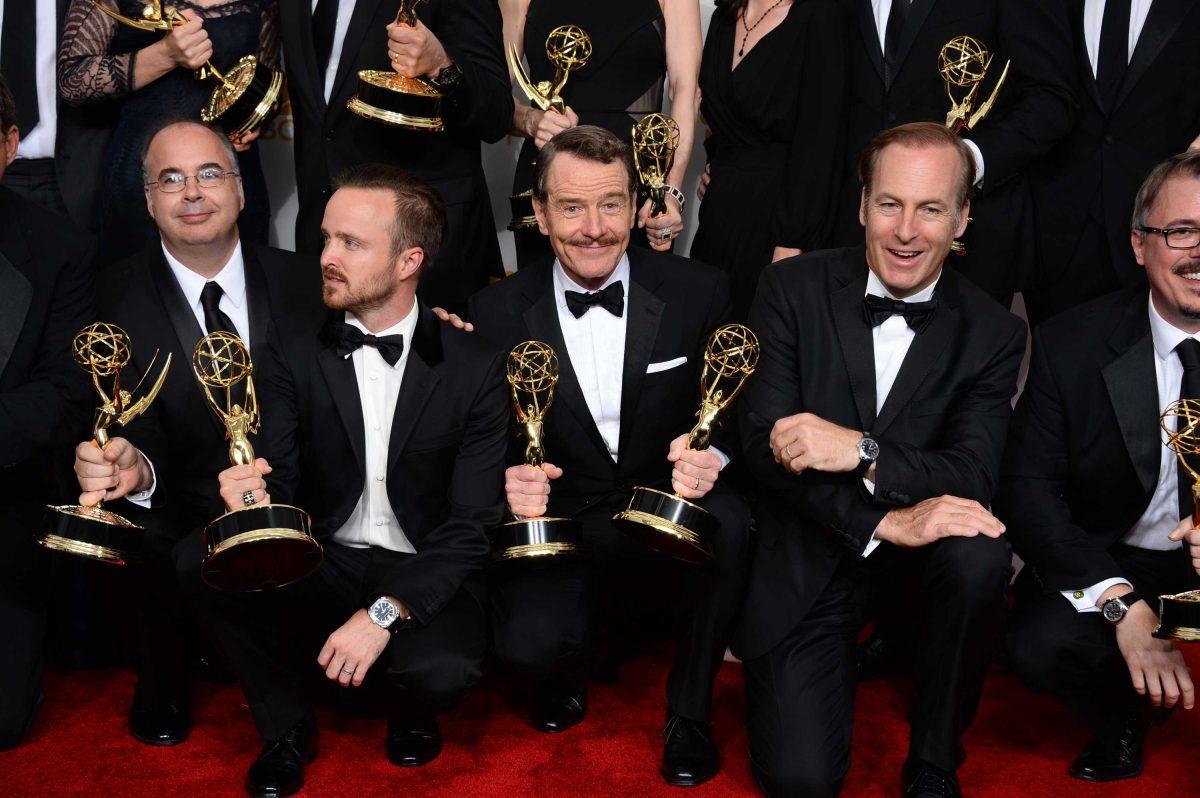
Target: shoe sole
673,782
160,743
1093,779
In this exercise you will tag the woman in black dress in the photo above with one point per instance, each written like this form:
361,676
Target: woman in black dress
635,45
772,83
101,59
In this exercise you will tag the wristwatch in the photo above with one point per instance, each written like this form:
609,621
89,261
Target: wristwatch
868,453
384,613
449,78
1115,608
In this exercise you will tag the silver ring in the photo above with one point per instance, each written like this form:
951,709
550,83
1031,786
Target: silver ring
665,235
248,498
347,671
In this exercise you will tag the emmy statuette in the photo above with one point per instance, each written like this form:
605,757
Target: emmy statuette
93,532
398,100
532,373
259,546
1179,614
655,139
670,523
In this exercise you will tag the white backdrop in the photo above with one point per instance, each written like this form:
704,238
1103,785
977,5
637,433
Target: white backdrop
499,163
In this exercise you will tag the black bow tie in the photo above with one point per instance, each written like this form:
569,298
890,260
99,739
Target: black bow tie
879,309
350,339
611,299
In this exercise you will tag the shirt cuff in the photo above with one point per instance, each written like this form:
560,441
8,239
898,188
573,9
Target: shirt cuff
1085,600
978,161
872,544
724,457
142,498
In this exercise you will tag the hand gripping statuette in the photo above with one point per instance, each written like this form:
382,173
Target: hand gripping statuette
532,373
244,96
655,139
568,48
1179,614
93,532
670,523
384,95
259,546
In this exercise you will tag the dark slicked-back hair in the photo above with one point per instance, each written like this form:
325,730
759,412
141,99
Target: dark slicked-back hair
420,211
8,108
1185,164
588,143
919,136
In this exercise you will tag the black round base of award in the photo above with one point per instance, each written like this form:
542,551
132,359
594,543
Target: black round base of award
91,532
1179,617
398,100
523,217
250,95
669,524
529,540
259,547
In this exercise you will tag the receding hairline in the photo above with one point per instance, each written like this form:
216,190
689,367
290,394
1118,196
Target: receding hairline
223,143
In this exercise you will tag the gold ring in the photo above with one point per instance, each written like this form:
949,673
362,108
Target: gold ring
697,485
788,451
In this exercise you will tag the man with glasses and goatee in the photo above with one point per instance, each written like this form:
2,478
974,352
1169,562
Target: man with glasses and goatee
1095,504
196,279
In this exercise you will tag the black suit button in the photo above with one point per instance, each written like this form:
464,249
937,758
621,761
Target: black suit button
1108,139
329,134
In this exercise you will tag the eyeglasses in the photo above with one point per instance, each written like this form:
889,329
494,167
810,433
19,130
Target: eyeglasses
1177,237
174,182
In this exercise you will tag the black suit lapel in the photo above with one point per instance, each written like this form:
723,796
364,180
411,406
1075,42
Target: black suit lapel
1164,19
870,34
1132,389
912,27
644,310
858,350
420,378
16,293
364,15
295,16
258,307
541,320
343,387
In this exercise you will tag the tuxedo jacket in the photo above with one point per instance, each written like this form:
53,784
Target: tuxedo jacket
330,138
46,296
445,467
180,434
1083,455
1034,109
673,305
1097,169
940,431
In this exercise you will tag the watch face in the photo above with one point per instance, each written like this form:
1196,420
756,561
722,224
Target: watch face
1113,610
868,449
384,612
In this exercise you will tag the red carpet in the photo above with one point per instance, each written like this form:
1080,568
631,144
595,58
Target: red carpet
1020,744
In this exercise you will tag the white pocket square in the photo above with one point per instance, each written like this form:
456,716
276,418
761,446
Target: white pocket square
654,368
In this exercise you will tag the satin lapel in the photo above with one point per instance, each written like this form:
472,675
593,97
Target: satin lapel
258,304
420,378
870,34
541,320
912,27
364,14
295,16
924,351
1132,389
16,292
343,387
1164,19
644,311
858,350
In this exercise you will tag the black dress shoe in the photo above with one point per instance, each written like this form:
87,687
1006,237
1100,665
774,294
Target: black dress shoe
166,723
412,744
689,753
279,769
1114,756
923,780
552,712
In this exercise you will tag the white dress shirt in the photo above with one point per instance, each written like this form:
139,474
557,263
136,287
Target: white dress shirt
1162,514
344,12
373,523
882,10
891,341
1093,21
39,142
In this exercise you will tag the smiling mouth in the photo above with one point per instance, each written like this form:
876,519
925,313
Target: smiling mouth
1190,271
905,254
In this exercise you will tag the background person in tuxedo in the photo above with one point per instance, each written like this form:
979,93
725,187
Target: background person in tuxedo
401,516
197,278
873,429
1136,63
629,328
1093,498
457,43
45,298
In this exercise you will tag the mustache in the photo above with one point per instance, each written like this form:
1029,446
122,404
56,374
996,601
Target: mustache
606,240
328,272
1189,267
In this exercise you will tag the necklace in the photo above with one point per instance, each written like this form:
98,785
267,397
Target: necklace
742,49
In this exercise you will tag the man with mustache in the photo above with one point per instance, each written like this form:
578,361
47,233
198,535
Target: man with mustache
629,327
389,428
1096,505
196,279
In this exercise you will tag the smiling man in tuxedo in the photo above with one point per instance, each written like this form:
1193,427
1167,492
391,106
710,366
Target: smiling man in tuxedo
629,328
873,429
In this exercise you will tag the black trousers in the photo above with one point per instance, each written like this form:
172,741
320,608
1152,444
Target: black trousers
272,639
547,620
800,695
1073,655
23,593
